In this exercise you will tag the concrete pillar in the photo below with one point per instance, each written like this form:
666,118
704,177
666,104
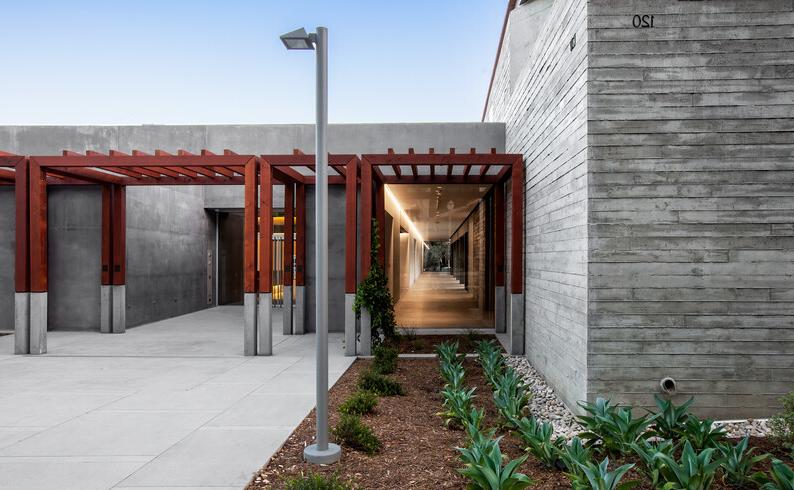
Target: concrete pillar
119,308
286,310
299,320
499,309
264,325
365,339
22,323
350,325
38,323
249,324
106,308
516,326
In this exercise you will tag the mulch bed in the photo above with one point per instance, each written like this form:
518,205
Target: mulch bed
418,450
426,344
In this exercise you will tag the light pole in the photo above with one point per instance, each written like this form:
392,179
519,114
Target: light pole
322,452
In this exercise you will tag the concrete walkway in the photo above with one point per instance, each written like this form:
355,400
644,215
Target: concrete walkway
169,404
438,300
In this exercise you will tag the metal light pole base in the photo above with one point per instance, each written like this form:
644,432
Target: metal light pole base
313,454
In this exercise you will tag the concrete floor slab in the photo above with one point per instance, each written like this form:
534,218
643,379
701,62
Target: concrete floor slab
169,404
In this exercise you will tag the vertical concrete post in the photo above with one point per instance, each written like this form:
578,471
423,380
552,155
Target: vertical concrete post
299,318
499,309
106,308
286,310
365,338
38,323
289,218
119,292
249,324
264,322
22,323
38,259
516,328
119,302
350,325
299,313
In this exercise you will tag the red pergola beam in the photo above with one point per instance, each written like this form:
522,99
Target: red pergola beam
38,227
22,259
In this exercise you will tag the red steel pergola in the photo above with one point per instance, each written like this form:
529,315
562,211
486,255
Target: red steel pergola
365,176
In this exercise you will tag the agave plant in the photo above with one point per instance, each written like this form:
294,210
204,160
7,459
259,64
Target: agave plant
457,405
611,428
474,418
671,418
483,466
511,397
782,477
493,365
453,374
702,434
598,477
473,427
652,464
538,438
738,463
448,353
573,456
694,471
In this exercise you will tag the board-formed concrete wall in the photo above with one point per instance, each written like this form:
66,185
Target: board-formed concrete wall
691,202
546,120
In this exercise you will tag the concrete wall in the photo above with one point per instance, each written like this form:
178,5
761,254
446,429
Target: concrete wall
7,254
691,202
474,226
545,113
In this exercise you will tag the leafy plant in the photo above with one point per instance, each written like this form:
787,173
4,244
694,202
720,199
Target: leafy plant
473,421
373,294
782,424
453,374
351,432
379,384
782,477
738,463
491,359
612,428
671,418
385,361
694,471
538,438
598,477
483,466
651,463
574,455
457,405
702,434
359,403
316,481
448,353
510,396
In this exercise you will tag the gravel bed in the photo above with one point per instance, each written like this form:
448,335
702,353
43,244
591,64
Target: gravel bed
546,405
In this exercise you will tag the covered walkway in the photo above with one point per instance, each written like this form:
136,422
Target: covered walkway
438,300
169,404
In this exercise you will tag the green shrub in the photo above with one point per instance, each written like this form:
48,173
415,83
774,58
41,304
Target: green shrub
538,438
651,463
491,359
359,403
379,384
738,463
448,353
385,359
611,428
782,477
473,421
702,434
483,466
373,293
453,374
511,396
694,470
670,419
782,425
316,481
457,405
598,477
351,432
573,456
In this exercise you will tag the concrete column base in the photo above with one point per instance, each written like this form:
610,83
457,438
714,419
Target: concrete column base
499,309
516,326
299,313
119,308
350,325
22,323
264,325
106,308
286,311
249,324
365,338
38,323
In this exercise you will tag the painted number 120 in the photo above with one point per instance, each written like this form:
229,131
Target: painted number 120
642,21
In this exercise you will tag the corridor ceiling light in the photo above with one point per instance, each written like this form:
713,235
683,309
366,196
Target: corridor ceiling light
402,211
298,39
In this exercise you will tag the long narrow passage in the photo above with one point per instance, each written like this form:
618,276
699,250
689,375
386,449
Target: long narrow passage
438,300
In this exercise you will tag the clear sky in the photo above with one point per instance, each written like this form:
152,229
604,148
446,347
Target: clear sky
219,62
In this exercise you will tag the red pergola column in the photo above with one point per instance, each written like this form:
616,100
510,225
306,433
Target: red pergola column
299,320
515,316
265,313
119,277
289,218
22,263
249,258
499,256
351,234
106,280
380,215
38,258
366,216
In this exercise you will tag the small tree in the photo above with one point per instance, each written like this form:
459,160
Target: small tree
373,294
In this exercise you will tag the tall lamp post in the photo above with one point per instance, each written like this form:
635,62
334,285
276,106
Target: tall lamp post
322,452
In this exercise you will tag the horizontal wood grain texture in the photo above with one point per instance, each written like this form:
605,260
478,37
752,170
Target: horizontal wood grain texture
691,202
